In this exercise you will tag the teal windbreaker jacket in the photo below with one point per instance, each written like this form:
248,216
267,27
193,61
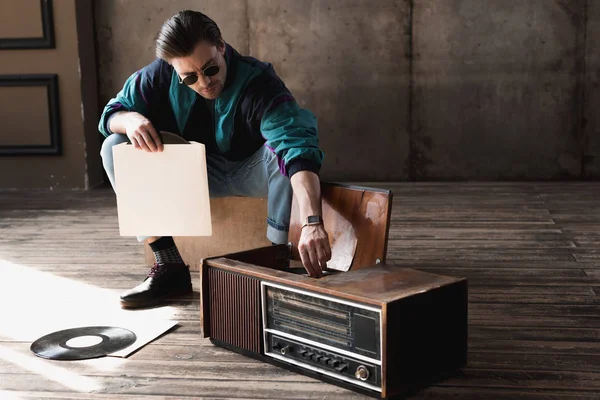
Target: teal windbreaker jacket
254,109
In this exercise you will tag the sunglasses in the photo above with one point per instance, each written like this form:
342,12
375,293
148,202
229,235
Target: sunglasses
208,71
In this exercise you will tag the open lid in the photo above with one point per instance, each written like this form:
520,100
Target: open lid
357,221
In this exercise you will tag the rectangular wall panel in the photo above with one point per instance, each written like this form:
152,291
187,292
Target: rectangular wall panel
27,24
21,19
24,115
72,158
30,115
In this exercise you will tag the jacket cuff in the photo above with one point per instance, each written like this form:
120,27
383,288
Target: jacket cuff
111,114
107,126
301,164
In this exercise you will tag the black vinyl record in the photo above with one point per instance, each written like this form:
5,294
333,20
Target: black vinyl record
54,345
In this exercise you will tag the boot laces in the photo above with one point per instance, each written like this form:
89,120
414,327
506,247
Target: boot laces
156,270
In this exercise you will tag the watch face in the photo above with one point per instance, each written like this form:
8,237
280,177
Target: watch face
313,219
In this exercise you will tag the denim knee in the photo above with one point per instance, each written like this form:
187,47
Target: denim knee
107,154
109,142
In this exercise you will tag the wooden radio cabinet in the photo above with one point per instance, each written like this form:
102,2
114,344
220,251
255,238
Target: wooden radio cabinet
368,326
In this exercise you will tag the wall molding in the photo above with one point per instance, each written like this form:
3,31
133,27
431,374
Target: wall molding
50,81
44,42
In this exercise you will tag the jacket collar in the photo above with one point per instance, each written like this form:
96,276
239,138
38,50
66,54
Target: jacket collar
231,57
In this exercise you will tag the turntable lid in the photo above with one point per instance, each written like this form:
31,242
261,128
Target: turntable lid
357,221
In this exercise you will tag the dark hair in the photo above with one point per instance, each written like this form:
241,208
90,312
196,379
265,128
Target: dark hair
180,34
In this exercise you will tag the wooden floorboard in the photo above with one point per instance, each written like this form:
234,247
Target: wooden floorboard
531,253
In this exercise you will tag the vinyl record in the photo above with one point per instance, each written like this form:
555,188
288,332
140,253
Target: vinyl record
106,340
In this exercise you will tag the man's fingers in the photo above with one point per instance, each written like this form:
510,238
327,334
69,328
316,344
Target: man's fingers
306,261
314,260
155,138
148,140
141,143
135,143
310,262
322,256
326,248
314,250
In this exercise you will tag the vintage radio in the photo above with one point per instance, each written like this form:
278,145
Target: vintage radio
374,328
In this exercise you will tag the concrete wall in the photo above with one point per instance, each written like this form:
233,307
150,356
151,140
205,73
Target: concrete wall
442,89
592,92
496,88
126,30
347,61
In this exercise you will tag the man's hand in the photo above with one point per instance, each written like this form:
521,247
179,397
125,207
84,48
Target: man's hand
138,129
313,246
314,249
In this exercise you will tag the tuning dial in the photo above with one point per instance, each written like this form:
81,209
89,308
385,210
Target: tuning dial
362,373
286,350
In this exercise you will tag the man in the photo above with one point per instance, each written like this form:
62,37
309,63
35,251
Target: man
258,140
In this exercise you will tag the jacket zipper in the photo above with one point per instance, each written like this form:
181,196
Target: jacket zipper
214,135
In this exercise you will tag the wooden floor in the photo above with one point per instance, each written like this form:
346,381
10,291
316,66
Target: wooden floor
531,253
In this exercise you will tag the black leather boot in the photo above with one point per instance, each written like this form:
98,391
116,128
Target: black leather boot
163,281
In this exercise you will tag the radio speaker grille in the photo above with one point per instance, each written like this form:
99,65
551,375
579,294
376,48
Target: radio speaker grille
235,309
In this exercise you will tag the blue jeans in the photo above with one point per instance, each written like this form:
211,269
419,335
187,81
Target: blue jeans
256,176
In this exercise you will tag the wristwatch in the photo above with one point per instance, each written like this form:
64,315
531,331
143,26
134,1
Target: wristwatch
313,220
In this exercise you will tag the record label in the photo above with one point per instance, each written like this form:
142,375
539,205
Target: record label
83,343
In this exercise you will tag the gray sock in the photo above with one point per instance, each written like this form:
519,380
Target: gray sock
165,251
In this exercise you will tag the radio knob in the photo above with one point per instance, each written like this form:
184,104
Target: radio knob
362,373
341,367
286,350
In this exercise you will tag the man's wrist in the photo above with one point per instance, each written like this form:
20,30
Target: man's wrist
313,220
117,122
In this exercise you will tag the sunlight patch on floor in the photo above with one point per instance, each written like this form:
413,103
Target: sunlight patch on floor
6,395
58,374
35,303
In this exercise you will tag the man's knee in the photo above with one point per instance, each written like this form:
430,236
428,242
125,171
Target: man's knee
109,142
